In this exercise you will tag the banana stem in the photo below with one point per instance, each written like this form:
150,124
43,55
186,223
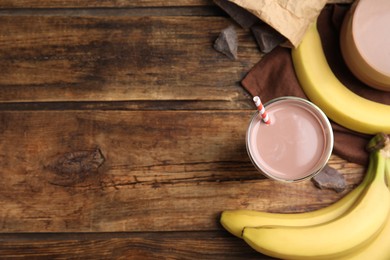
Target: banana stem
387,172
378,142
379,146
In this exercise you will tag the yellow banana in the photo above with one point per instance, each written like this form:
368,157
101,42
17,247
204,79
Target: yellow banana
387,172
331,239
234,221
323,88
379,248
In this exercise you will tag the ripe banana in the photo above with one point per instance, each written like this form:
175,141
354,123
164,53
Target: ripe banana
332,239
387,172
323,88
234,221
378,249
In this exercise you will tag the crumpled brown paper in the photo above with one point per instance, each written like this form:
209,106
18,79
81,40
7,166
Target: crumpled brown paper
291,18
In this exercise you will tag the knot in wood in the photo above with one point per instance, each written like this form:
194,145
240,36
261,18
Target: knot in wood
74,167
80,162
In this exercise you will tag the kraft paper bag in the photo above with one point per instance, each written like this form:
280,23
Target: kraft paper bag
291,18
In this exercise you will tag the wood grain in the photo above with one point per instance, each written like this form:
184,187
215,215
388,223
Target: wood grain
162,171
54,58
244,104
122,133
99,3
161,245
112,3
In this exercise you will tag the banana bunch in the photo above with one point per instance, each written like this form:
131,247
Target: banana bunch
324,89
355,227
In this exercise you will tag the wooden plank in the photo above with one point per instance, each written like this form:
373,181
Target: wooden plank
99,3
113,11
247,103
105,171
89,58
112,3
161,245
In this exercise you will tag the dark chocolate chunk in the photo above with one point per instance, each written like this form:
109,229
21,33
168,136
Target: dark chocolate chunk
329,178
227,42
267,38
241,16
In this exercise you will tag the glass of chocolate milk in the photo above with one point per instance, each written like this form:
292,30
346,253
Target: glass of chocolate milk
295,145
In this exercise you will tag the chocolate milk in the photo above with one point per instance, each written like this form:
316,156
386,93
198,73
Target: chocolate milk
296,145
365,41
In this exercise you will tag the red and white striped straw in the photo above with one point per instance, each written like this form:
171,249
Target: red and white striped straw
263,113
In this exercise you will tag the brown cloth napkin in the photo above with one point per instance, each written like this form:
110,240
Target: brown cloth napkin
274,76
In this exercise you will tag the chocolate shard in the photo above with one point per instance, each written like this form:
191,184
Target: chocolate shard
241,16
329,178
267,38
227,42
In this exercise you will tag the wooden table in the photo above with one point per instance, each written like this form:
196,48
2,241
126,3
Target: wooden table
122,133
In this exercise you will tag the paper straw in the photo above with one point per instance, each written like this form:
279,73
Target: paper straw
260,107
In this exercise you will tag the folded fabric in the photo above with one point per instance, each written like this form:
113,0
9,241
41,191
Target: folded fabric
274,76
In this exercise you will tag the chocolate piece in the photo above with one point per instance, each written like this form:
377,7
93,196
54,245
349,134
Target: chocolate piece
329,178
227,43
241,16
267,38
